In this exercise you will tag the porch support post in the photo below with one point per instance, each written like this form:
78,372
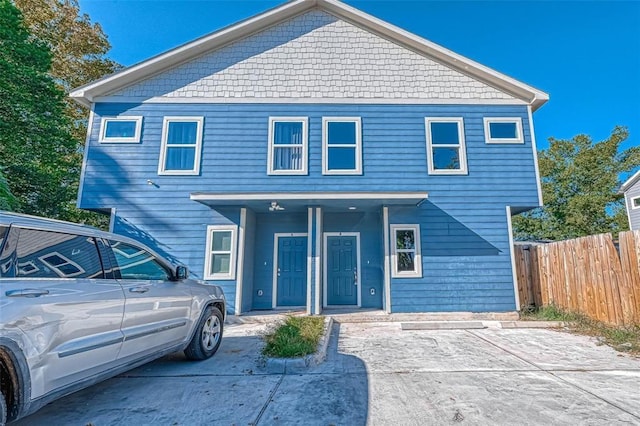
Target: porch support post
317,261
514,274
310,245
240,264
387,264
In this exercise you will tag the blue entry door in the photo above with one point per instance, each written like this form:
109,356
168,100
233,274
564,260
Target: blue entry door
292,271
342,270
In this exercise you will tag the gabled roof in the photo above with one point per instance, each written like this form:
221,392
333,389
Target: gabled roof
155,65
630,182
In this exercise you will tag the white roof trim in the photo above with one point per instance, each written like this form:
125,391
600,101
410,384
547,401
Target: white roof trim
629,183
284,196
87,93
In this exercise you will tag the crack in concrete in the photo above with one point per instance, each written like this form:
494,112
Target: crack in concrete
551,373
269,399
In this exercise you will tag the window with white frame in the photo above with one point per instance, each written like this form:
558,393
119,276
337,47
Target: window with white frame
341,146
181,146
446,154
120,129
635,203
220,263
288,146
503,130
405,251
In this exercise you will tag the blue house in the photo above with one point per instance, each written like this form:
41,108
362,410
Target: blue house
631,190
315,156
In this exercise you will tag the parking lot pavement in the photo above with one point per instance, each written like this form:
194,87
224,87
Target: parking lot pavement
377,374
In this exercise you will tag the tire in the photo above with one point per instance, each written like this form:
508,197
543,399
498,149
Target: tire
3,409
208,335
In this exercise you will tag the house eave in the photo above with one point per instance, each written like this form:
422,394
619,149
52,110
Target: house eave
87,93
629,182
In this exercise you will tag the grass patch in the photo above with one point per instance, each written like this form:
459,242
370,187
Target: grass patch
297,336
622,338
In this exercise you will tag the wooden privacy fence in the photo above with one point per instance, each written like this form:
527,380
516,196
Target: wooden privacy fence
587,275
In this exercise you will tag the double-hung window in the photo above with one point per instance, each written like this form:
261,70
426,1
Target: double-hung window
288,146
220,263
635,203
181,146
503,130
446,153
120,129
405,251
341,146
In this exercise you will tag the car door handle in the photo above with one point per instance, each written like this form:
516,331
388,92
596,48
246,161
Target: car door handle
26,292
139,289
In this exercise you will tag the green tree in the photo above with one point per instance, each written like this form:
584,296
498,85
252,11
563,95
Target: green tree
78,49
580,188
39,157
7,200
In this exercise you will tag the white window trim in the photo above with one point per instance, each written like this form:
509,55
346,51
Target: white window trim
198,146
461,146
102,138
325,146
633,206
487,129
417,273
305,145
231,275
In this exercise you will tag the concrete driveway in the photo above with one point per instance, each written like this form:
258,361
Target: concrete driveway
378,374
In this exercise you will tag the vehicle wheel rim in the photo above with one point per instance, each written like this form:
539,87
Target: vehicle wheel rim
211,332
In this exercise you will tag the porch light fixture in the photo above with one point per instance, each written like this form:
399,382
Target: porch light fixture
275,207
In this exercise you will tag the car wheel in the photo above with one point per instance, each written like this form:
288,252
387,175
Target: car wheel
208,335
3,409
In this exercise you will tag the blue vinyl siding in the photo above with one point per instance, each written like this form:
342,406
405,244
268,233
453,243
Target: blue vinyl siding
466,263
634,214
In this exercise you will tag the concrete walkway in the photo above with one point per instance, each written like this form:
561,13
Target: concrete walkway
376,373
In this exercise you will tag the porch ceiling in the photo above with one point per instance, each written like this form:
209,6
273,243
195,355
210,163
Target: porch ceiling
299,201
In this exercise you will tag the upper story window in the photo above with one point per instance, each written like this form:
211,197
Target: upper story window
341,146
635,203
220,263
405,251
181,146
120,129
288,146
503,130
446,154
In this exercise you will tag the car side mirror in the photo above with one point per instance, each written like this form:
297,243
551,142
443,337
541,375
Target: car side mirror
182,273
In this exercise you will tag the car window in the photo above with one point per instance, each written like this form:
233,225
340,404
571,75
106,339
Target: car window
3,234
45,254
135,263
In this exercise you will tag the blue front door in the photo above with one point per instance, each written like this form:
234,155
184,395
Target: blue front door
292,271
342,270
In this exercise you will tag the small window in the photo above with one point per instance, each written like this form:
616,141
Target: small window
287,146
220,263
181,146
342,146
120,129
446,153
635,203
135,263
503,130
405,251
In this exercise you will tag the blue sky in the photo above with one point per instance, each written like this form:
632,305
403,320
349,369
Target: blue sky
585,54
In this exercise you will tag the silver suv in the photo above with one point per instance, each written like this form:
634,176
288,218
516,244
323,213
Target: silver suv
78,305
